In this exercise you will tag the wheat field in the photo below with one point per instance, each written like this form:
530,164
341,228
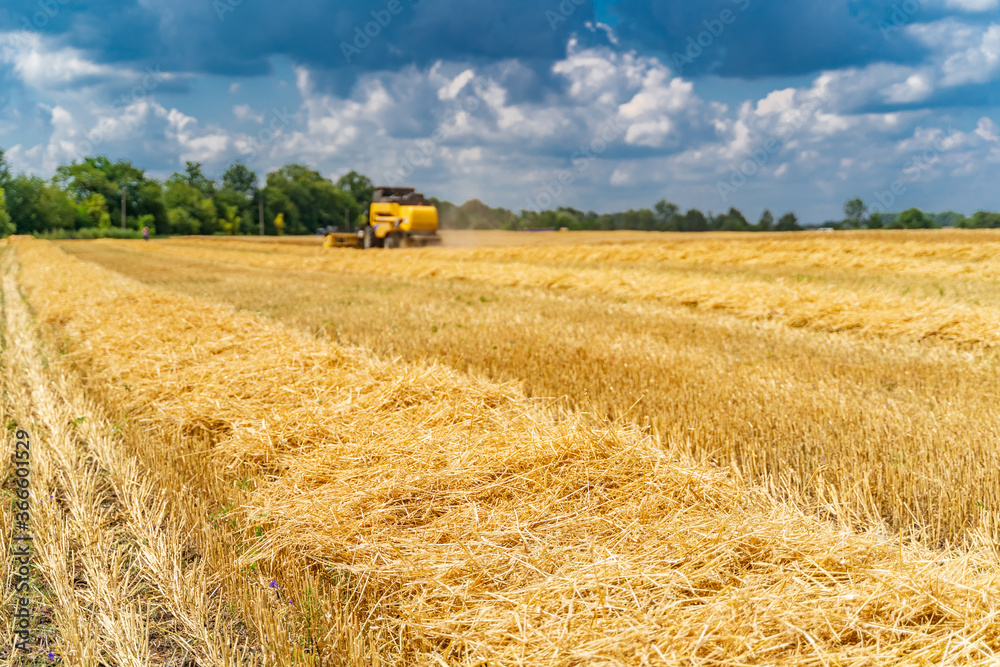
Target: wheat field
861,373
679,449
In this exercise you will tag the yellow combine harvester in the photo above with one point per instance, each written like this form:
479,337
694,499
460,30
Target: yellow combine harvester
397,217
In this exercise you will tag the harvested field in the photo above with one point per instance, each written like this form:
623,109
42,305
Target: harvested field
882,407
798,301
452,493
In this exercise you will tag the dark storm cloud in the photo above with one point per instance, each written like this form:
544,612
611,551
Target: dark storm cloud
342,39
757,38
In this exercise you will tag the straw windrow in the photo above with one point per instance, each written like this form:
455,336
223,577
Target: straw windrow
872,310
487,529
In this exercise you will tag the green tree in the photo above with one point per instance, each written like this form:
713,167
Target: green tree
875,221
982,220
913,218
788,223
240,178
180,221
642,219
239,189
99,175
308,200
694,221
36,205
6,228
949,219
94,211
766,222
195,177
667,216
190,211
855,210
564,218
734,221
93,176
358,186
5,174
231,223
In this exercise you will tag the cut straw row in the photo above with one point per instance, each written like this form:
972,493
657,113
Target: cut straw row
868,310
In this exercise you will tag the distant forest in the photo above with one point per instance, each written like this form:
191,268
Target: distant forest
84,200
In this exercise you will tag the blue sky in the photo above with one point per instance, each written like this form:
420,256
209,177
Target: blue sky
602,106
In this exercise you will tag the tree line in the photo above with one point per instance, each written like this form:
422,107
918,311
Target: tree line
663,217
84,200
858,215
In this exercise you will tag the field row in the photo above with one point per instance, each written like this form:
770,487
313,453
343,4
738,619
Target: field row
961,255
895,431
796,301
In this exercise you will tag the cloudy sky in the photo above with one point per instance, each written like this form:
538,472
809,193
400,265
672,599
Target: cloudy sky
787,104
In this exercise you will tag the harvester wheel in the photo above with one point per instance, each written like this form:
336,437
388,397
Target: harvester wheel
369,238
391,241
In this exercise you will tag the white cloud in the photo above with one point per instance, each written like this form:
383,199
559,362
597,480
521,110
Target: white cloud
195,144
143,131
973,5
978,63
657,109
916,88
987,130
603,27
246,112
454,87
41,65
651,112
620,177
960,54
